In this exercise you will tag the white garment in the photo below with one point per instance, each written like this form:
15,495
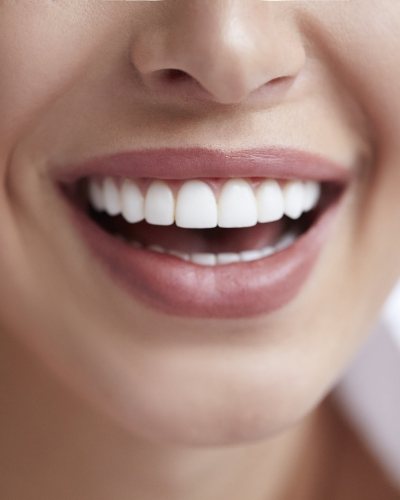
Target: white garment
369,392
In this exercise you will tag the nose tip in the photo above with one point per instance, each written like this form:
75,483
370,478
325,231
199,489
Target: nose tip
220,55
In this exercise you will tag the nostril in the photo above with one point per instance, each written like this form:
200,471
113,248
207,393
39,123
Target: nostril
279,79
174,79
174,75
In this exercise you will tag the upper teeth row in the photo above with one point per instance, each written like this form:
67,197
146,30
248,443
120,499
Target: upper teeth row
195,204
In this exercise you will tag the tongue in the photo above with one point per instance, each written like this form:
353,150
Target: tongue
216,240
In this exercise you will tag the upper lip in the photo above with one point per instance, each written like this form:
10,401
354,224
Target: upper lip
196,162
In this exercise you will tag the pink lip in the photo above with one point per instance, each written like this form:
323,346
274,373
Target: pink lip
184,289
172,163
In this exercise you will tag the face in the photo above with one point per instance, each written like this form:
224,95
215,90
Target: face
99,98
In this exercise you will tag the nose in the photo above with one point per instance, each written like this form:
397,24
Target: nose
221,50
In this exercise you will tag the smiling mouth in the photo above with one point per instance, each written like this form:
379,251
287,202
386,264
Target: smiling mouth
205,222
228,246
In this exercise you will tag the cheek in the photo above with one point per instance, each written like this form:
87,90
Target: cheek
359,42
378,74
372,66
43,49
367,58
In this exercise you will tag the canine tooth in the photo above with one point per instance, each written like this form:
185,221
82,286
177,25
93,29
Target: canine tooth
132,202
204,259
96,197
293,193
196,206
312,191
250,255
112,203
159,207
270,201
237,206
228,258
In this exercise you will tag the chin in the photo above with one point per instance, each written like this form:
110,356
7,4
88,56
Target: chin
218,409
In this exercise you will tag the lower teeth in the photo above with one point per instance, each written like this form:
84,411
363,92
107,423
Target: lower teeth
212,259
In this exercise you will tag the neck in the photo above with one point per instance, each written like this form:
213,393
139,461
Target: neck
54,445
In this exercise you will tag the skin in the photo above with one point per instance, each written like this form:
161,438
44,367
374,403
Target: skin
104,397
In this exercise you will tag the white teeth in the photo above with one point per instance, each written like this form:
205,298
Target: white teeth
159,204
293,193
312,191
286,240
157,248
204,259
196,206
132,202
181,255
112,204
237,206
250,255
270,202
212,259
96,195
228,258
267,251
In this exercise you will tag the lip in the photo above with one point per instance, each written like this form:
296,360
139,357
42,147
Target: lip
181,288
189,163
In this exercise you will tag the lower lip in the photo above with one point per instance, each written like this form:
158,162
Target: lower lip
180,288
